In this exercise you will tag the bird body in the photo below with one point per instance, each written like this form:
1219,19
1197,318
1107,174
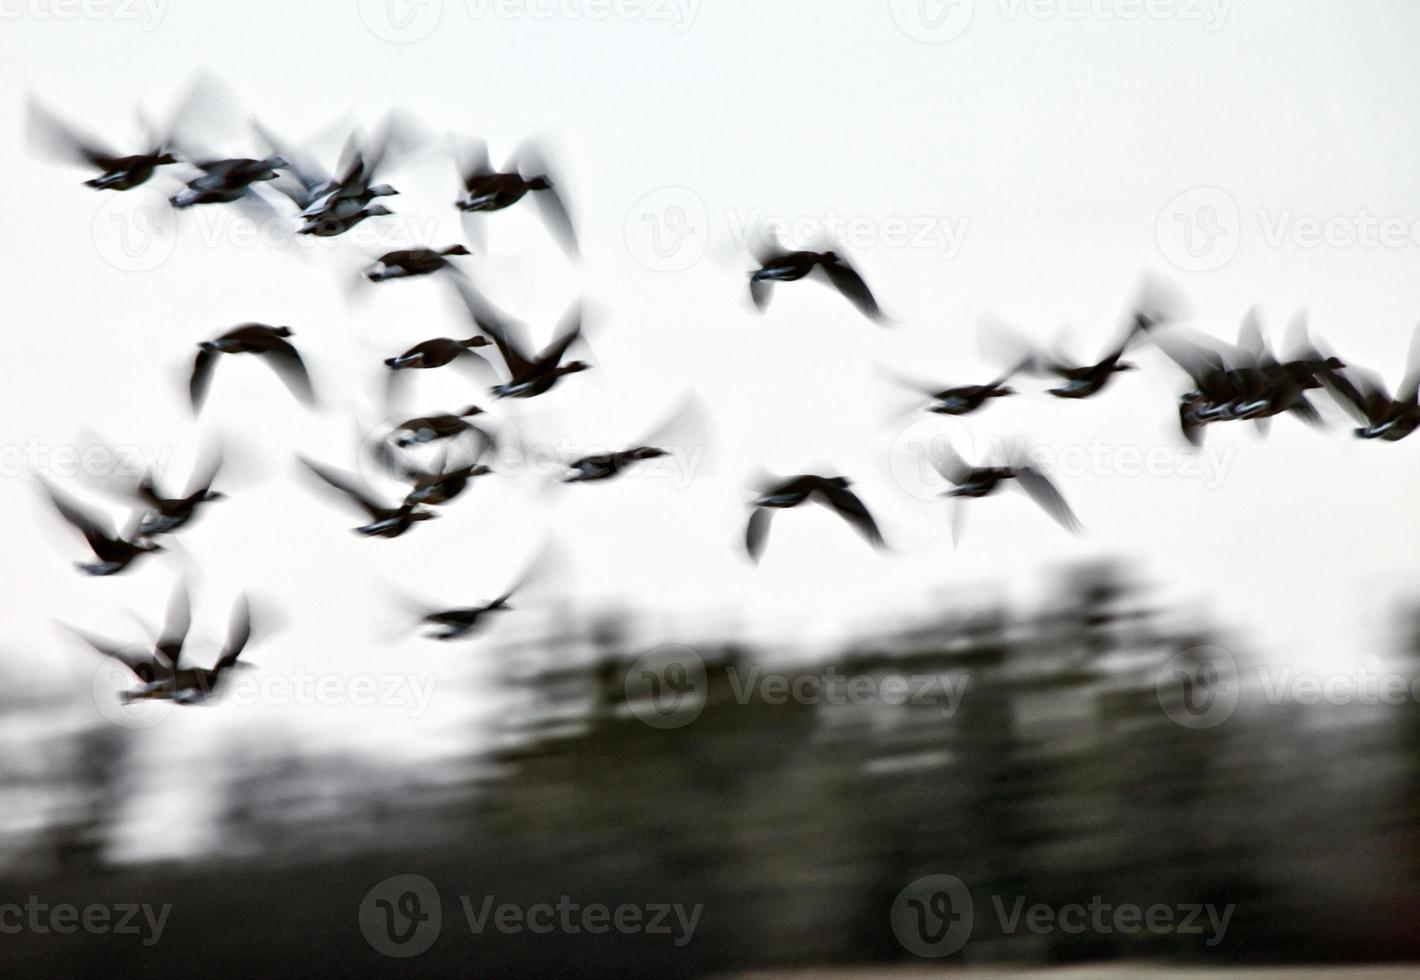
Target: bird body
406,263
251,338
831,491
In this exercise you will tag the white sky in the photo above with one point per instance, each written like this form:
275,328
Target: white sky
1053,143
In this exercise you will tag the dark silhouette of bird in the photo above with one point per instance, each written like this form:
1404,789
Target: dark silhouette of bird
195,685
251,338
225,180
436,353
830,491
159,663
529,374
488,190
114,552
168,514
962,399
777,264
1382,416
409,262
386,521
1084,380
683,426
117,171
982,481
462,621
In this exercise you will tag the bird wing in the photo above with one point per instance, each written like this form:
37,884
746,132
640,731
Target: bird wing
567,333
757,531
96,531
942,456
175,625
558,221
238,634
506,333
759,292
1039,488
1410,384
48,131
847,505
209,464
146,669
472,159
347,485
847,281
201,381
286,361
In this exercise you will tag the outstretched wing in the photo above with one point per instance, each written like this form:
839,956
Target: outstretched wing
175,625
757,531
346,484
95,531
847,505
202,367
506,333
57,137
847,281
1039,488
286,361
238,634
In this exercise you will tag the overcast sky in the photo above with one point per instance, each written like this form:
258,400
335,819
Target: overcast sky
1025,160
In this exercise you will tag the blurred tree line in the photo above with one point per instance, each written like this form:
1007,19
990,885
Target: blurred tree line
1060,774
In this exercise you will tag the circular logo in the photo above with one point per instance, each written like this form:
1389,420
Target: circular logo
134,231
401,21
1200,229
1198,687
668,230
933,21
401,916
666,687
114,688
931,439
932,916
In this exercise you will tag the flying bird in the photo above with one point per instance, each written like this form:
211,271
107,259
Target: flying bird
777,264
604,466
114,552
406,263
168,514
117,171
982,481
386,521
830,491
529,374
488,190
251,338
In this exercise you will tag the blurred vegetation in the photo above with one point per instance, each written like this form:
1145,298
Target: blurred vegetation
1058,777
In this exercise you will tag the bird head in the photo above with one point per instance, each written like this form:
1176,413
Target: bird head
571,367
164,158
376,211
455,250
540,183
469,411
213,495
382,190
283,331
648,452
1126,366
477,341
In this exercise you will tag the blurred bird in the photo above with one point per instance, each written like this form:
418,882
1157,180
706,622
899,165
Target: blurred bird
529,374
459,622
385,521
168,514
488,190
777,264
405,263
440,484
115,552
251,338
830,491
160,662
604,466
1383,417
117,172
194,685
982,481
962,399
436,353
226,180
1082,381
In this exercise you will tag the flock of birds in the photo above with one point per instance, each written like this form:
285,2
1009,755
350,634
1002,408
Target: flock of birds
439,456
